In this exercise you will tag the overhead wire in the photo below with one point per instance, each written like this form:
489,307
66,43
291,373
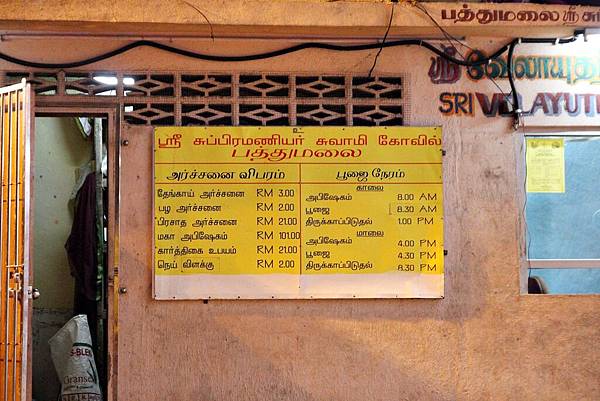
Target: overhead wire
510,47
247,57
387,31
447,34
452,38
511,81
515,103
509,62
524,209
212,32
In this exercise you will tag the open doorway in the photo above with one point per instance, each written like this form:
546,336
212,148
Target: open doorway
69,239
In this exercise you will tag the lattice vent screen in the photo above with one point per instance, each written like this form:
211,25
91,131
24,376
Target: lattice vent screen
175,98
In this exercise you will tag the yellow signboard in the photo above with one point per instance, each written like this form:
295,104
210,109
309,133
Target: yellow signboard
298,212
545,165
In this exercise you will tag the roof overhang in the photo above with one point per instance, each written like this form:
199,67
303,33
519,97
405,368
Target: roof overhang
290,19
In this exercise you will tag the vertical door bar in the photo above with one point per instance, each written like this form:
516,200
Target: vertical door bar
27,123
7,268
18,271
3,283
14,231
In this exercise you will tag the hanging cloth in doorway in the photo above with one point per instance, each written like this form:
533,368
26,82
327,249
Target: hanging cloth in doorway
82,244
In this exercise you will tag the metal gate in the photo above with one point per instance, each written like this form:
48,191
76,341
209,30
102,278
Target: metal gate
15,126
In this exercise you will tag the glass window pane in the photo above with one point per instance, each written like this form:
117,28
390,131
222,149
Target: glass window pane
569,281
567,225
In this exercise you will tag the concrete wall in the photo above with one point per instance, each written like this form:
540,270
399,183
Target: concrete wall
59,150
310,18
485,341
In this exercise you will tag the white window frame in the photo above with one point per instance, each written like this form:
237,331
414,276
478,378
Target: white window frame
534,264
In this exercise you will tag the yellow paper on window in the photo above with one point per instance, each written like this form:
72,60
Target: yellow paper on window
545,165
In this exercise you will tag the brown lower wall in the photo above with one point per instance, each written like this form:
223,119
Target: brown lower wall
484,341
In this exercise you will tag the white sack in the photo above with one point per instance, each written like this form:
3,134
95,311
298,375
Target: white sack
71,350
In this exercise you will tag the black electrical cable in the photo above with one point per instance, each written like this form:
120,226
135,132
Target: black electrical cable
451,39
250,57
274,53
387,31
511,80
510,47
509,67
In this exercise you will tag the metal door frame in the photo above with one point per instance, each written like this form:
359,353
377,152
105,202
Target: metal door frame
112,113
